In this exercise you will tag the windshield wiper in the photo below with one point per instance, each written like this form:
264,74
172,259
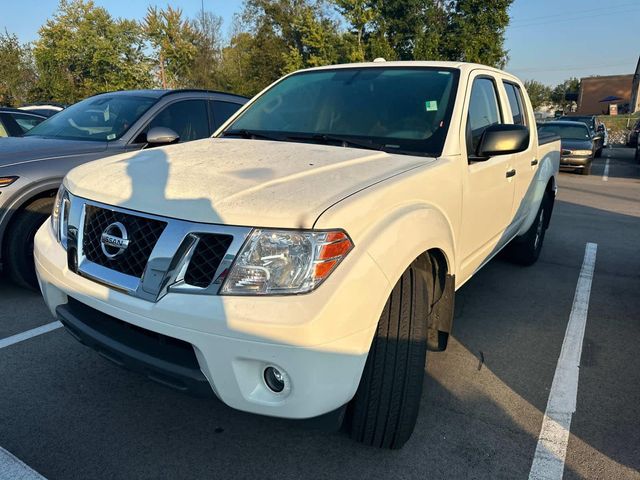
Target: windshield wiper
344,141
250,134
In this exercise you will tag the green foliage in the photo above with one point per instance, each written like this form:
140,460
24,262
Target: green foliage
175,45
539,94
18,71
82,51
571,85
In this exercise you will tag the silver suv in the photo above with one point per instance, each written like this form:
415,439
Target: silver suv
32,166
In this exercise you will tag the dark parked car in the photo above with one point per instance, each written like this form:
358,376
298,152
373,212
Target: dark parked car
32,166
577,143
593,123
632,139
14,123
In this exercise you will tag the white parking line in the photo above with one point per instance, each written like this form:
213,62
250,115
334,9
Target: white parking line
605,175
34,332
12,468
548,461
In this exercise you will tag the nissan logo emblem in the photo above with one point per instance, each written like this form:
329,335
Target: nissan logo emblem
114,240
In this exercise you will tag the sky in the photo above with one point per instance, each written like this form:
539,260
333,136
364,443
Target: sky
548,40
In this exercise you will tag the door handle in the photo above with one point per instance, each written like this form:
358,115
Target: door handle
511,173
534,162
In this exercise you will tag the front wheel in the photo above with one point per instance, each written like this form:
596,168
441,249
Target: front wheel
385,408
18,248
526,249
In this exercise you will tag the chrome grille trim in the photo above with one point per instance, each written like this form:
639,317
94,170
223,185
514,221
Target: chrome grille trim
168,262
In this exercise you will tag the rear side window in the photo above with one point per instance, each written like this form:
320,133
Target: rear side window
221,111
26,122
484,111
3,132
516,102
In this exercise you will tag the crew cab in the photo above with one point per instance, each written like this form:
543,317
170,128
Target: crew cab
300,263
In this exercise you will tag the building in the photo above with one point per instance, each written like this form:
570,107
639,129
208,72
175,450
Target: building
594,89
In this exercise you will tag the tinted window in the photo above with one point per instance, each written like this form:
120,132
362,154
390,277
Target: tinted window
26,122
484,111
406,110
103,117
516,103
3,132
566,131
221,111
188,118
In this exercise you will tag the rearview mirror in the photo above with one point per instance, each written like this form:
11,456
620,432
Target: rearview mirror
502,139
162,136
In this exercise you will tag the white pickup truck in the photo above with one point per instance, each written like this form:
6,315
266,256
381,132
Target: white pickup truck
301,263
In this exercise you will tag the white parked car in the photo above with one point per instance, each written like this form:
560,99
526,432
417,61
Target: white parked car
304,260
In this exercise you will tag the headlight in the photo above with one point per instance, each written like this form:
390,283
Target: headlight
60,215
581,153
281,262
6,181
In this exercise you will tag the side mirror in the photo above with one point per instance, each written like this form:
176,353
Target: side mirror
162,136
501,139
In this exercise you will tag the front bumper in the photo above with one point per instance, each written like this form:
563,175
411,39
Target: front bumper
574,161
321,340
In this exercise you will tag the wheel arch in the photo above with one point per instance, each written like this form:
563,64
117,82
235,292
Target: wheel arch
20,201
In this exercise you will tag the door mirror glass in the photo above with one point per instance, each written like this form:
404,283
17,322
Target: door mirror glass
502,139
162,136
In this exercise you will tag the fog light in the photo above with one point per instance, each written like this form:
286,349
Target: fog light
275,380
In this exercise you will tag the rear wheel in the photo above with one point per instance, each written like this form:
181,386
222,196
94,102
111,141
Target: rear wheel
526,249
18,251
385,408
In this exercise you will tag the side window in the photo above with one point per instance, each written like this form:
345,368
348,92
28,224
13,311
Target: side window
3,132
484,111
221,111
188,118
516,102
26,122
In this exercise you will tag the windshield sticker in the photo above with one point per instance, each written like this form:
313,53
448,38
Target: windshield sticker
111,136
431,105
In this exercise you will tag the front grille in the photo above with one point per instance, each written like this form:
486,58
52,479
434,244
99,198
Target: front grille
205,260
143,234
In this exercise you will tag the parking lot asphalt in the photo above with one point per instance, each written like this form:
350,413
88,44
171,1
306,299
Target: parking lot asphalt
69,414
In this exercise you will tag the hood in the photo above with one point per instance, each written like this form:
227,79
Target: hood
235,181
576,144
16,150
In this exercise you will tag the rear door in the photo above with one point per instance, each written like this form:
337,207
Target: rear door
221,110
525,163
488,184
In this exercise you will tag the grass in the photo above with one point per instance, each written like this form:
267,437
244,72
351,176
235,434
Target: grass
618,126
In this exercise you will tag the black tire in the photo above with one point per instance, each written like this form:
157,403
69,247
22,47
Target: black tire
586,170
385,408
598,153
638,154
525,250
18,247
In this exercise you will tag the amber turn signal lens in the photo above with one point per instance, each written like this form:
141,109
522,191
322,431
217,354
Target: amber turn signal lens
6,181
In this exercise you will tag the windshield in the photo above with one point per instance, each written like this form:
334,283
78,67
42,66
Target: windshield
401,110
586,120
567,132
105,117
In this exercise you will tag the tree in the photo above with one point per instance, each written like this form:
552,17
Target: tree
82,51
208,42
476,31
18,70
559,94
174,41
539,94
359,14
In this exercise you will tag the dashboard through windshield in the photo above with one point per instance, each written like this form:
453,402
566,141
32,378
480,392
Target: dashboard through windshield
394,109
